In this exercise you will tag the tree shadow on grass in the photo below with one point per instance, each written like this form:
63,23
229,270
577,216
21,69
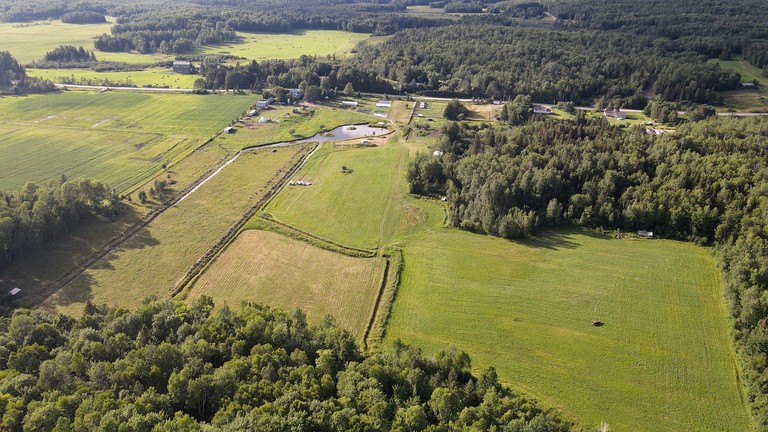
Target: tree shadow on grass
561,238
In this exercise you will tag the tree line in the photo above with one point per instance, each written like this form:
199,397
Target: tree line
14,79
175,366
36,214
706,183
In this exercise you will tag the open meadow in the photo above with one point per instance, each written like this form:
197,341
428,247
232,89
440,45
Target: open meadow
156,76
663,359
153,261
349,207
118,138
261,266
265,46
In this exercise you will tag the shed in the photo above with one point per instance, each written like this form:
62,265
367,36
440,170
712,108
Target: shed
542,110
14,291
183,67
350,104
264,120
645,234
229,129
253,112
748,85
384,104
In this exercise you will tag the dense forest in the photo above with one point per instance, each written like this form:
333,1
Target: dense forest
706,183
172,366
36,214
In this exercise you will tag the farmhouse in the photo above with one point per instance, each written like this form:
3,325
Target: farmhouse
384,104
617,114
542,110
183,67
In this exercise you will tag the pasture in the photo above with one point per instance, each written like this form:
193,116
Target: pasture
153,261
119,138
663,359
350,207
266,267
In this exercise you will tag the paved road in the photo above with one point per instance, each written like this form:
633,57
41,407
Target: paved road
381,95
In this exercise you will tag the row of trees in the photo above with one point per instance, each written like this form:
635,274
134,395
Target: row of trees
706,183
69,54
14,79
36,214
174,366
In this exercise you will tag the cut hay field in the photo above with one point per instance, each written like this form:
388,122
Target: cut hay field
349,208
663,360
32,42
153,261
266,267
160,77
119,138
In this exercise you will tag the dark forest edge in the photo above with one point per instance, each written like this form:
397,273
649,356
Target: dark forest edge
175,366
707,183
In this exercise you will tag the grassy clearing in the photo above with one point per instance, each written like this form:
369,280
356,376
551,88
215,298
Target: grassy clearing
263,46
663,357
159,77
31,43
745,99
349,208
151,262
267,267
120,138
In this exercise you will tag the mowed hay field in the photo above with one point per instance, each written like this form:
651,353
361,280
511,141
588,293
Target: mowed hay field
349,208
662,361
119,138
153,261
262,266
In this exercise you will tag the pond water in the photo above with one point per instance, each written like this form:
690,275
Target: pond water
341,133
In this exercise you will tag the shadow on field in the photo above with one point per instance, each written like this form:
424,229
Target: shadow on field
562,238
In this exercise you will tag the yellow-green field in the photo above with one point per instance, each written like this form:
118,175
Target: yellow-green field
262,266
153,261
31,43
662,361
163,77
119,138
263,46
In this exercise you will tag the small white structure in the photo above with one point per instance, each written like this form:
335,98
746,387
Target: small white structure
645,234
14,291
229,129
748,84
253,112
384,104
264,120
349,104
617,114
542,110
437,153
264,104
383,115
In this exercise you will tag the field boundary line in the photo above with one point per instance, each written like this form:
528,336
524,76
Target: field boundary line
390,281
330,244
202,263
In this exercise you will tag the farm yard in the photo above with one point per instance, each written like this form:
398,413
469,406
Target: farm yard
122,139
282,272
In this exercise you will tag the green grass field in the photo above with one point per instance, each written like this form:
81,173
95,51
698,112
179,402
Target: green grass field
120,138
266,267
662,361
163,77
349,208
152,262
